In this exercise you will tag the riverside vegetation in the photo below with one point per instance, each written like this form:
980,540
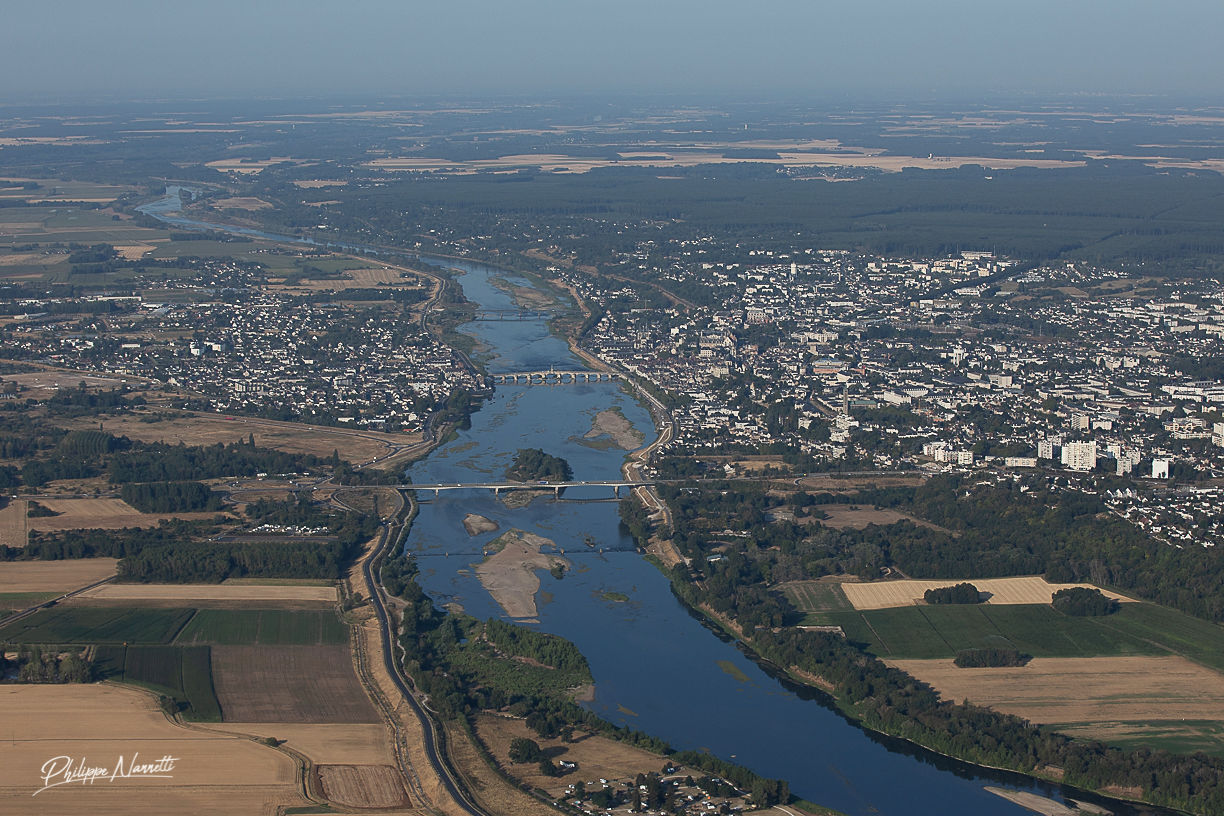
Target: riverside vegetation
1000,531
467,666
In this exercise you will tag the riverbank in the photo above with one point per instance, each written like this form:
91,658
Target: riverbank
854,713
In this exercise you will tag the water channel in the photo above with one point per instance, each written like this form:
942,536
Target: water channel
657,667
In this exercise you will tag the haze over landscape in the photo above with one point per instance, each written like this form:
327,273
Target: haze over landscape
493,409
779,49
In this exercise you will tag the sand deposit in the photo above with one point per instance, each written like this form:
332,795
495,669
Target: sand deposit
1031,589
476,524
614,424
510,574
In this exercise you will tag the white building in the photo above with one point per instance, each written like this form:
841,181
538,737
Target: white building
1160,468
1080,456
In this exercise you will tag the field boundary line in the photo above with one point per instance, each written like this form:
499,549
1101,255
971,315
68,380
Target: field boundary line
877,634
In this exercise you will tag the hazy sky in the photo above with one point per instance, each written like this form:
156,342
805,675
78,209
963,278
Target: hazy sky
79,49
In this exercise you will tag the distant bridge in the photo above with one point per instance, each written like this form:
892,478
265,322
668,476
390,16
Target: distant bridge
553,377
498,487
512,314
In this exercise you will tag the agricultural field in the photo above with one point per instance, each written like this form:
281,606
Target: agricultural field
358,446
215,773
100,514
55,577
816,596
180,594
13,522
289,684
1031,589
183,673
327,743
933,632
1084,690
363,786
250,627
58,190
1183,736
69,624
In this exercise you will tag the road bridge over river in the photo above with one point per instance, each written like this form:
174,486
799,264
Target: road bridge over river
498,487
553,377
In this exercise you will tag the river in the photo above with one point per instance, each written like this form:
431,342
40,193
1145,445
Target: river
657,667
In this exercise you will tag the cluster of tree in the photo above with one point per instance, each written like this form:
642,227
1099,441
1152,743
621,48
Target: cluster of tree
765,792
635,520
293,510
397,575
523,750
990,531
36,510
34,665
534,465
212,563
79,401
550,650
989,658
171,497
1082,602
187,552
157,461
70,544
963,593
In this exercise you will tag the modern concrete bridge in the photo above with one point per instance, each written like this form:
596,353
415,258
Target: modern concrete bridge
498,487
553,377
512,314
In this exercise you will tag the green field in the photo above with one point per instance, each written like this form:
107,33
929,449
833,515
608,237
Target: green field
66,625
1174,736
929,632
249,627
809,596
181,672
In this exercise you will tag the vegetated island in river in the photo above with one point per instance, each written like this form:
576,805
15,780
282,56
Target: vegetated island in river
534,465
611,429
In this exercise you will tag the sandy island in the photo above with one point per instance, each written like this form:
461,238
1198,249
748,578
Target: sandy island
612,423
510,574
476,524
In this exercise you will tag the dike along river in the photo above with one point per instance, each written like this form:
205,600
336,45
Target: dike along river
657,667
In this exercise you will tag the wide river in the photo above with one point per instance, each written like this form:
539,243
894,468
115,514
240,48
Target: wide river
657,667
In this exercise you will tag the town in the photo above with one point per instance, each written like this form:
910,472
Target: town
821,360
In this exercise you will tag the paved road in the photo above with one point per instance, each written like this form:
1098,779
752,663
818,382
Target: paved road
384,629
